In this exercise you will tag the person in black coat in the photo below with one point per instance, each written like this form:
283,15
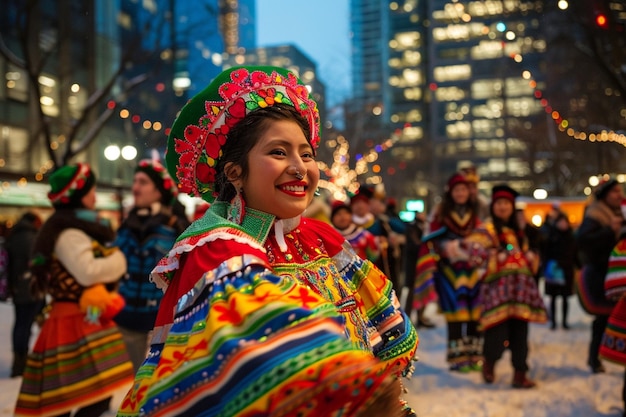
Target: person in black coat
26,305
414,233
559,246
595,239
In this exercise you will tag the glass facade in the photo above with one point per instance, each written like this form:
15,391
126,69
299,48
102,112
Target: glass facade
448,81
480,50
199,45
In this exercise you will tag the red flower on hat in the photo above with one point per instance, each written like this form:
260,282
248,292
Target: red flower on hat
186,148
214,143
236,112
168,184
229,90
205,173
260,77
189,151
268,97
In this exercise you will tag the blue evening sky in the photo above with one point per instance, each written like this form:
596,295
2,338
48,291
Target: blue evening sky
320,29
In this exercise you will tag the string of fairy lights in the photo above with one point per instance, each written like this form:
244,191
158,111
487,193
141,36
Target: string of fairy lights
342,179
563,124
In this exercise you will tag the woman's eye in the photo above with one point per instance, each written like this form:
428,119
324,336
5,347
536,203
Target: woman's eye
278,152
307,155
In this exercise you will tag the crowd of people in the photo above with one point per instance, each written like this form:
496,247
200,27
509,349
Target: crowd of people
260,306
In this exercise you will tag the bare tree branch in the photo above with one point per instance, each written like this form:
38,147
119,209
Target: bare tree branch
95,127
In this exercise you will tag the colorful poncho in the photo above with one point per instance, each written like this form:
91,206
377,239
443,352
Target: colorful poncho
615,281
508,289
246,328
613,346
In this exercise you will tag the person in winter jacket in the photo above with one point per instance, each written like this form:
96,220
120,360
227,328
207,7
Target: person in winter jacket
26,304
145,236
455,277
509,295
559,260
596,237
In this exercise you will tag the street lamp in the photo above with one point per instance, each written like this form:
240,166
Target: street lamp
113,153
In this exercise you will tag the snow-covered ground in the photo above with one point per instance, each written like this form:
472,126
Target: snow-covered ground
566,388
557,360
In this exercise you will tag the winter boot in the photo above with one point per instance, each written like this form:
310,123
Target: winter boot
19,363
521,381
488,372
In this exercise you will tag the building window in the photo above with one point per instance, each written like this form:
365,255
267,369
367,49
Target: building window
13,148
459,130
492,109
449,94
452,73
49,99
487,50
16,83
484,89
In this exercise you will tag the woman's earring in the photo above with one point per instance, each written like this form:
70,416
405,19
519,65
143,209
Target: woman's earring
237,208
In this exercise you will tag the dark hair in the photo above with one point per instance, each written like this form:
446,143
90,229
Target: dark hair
31,217
448,204
245,135
511,223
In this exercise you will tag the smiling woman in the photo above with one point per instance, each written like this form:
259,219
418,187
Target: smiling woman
265,312
281,155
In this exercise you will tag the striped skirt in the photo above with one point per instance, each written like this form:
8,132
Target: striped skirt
73,364
613,347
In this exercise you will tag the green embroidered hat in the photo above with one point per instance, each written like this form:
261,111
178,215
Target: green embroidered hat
69,184
201,128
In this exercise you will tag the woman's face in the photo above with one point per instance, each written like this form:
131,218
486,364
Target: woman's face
342,219
460,193
270,185
615,196
503,208
562,224
89,199
145,192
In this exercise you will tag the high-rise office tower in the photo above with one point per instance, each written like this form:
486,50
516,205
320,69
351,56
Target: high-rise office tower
483,55
441,82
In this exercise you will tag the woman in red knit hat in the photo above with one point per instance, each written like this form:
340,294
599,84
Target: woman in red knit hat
454,276
509,296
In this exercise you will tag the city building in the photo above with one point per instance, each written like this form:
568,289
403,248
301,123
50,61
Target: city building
53,67
483,56
102,85
442,83
208,33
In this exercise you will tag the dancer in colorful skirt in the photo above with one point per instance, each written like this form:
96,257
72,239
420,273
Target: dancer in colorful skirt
453,274
265,312
613,346
79,359
509,296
